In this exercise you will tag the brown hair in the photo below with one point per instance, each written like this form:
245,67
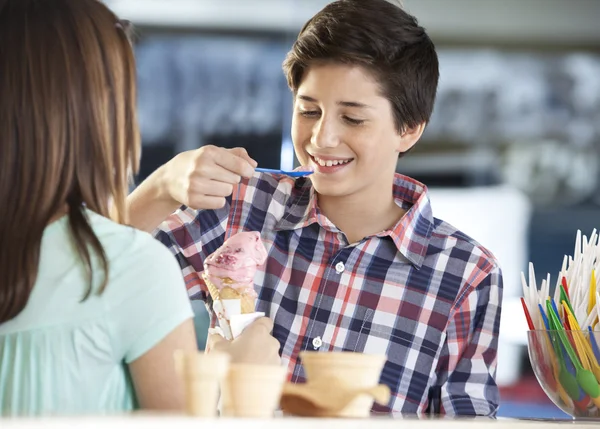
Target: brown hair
68,132
381,37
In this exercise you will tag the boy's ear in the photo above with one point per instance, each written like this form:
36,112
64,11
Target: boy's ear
409,136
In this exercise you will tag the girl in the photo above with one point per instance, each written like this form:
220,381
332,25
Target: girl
91,310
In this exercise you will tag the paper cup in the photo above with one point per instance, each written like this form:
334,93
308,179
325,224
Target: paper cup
252,390
202,375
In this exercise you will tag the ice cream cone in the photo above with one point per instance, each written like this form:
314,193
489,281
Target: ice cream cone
202,375
229,271
229,277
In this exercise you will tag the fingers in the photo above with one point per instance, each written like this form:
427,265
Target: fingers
223,165
275,360
242,153
214,342
204,202
233,162
262,323
209,187
207,194
207,176
209,170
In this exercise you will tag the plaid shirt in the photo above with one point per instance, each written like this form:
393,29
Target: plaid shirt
423,293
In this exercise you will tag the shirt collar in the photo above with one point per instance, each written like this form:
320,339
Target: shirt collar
411,234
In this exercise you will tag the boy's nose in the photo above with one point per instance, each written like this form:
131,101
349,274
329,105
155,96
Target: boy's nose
324,135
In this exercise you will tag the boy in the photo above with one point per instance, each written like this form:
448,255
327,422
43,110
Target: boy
357,261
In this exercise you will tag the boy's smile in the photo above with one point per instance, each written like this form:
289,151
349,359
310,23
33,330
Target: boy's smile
327,165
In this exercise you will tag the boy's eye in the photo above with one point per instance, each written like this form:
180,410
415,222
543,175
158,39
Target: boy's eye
353,121
315,114
309,113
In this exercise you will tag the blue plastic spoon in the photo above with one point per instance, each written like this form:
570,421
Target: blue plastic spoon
285,173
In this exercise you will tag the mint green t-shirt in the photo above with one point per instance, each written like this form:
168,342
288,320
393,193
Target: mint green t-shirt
61,355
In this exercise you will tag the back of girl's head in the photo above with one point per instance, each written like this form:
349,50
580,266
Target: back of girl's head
68,130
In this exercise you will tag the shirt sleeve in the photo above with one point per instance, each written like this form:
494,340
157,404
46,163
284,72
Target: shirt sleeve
152,300
467,366
191,236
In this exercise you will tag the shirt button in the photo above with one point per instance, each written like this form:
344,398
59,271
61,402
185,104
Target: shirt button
317,342
340,267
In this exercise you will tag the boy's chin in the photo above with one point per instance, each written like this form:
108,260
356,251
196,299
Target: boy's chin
331,189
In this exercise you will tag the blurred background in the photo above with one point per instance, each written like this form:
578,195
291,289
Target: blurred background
511,155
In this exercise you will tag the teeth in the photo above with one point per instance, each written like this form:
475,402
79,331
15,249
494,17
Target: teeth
331,163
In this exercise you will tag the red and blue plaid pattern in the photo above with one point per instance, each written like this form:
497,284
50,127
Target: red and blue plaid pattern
423,293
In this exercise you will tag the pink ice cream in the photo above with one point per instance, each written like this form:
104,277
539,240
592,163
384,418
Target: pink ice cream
235,263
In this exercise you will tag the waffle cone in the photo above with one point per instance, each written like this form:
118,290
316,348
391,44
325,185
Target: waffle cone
248,303
212,289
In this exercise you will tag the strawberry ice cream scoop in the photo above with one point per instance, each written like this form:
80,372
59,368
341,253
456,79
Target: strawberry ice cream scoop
235,263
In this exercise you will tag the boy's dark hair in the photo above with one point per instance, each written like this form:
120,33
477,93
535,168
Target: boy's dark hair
384,39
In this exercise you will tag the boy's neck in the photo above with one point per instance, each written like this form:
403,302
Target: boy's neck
359,216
